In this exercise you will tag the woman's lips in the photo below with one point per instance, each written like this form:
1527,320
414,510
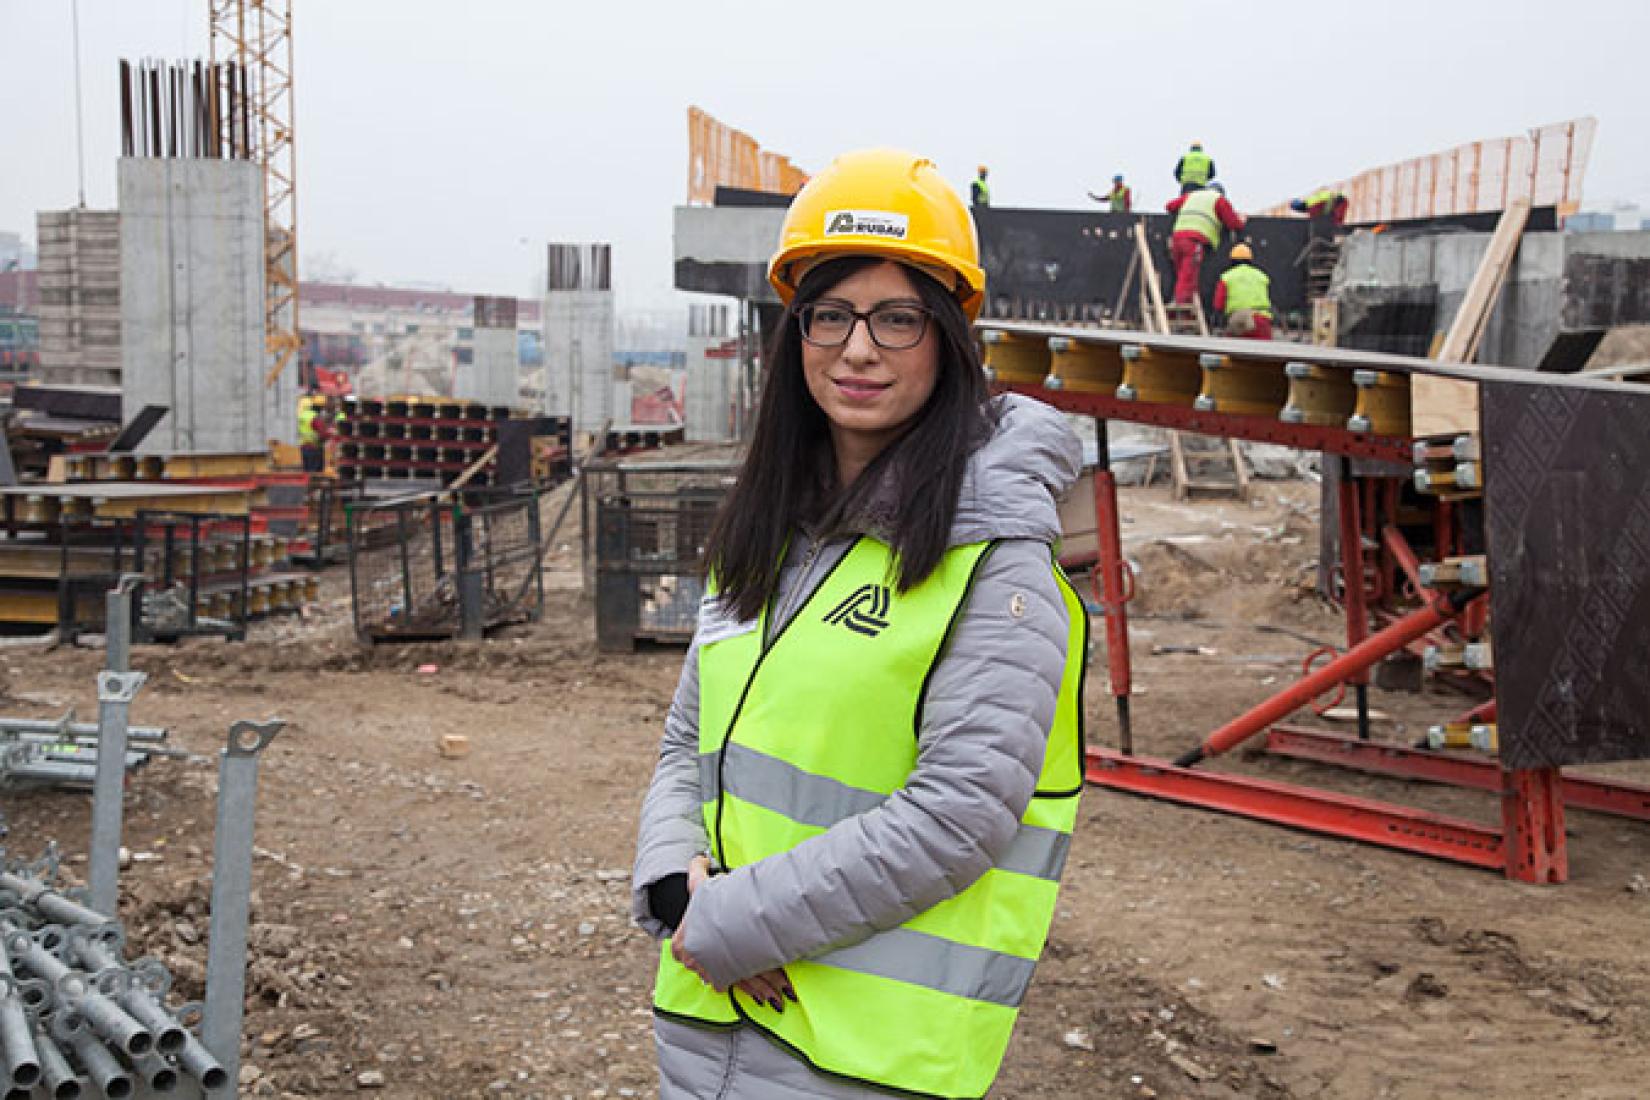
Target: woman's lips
859,389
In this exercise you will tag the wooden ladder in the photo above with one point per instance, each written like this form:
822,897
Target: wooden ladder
1219,461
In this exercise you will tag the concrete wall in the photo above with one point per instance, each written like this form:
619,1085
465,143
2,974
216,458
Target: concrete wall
578,358
492,376
1563,291
712,388
192,306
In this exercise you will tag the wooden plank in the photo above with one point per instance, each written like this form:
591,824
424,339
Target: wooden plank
1148,278
1447,406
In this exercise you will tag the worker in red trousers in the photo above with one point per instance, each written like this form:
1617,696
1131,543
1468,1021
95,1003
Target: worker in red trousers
1199,217
1244,296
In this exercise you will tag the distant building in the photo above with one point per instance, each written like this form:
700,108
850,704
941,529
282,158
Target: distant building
14,254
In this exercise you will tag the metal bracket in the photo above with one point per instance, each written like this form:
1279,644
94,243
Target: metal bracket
251,738
119,687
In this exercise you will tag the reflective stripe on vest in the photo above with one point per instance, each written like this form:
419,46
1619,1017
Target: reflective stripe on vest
1197,214
1247,287
785,754
1196,167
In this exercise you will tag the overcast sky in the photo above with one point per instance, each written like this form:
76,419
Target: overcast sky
447,142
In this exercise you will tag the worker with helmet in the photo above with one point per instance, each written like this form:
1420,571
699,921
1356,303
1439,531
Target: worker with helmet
1119,200
1244,296
869,777
979,192
1325,205
1200,215
1194,169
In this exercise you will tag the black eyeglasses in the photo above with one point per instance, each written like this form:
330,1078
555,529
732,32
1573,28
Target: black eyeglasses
892,327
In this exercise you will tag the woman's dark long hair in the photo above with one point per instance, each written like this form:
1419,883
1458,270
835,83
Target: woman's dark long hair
789,475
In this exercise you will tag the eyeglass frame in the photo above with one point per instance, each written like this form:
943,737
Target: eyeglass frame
805,313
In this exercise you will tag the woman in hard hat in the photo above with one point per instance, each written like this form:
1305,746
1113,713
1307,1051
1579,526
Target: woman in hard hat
854,836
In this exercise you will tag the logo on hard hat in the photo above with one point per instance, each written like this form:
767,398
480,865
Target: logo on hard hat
866,223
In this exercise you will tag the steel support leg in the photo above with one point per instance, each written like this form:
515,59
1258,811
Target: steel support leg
1348,489
1532,819
232,893
117,686
1116,583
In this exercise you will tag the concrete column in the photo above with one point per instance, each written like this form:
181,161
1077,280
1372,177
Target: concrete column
192,306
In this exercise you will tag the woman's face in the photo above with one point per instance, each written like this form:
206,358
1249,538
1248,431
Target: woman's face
867,392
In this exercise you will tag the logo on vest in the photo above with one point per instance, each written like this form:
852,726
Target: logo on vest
865,612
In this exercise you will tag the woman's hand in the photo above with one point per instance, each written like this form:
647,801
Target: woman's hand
771,987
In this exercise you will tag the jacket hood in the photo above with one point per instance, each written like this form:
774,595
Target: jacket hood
1014,479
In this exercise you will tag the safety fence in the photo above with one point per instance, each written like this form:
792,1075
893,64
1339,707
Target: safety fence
1547,166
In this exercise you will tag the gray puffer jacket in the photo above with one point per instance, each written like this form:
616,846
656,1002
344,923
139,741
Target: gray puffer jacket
988,711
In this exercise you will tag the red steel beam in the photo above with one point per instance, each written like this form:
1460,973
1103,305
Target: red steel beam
1346,816
1478,773
1262,429
1116,587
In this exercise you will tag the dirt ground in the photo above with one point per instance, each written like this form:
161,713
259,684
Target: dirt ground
427,927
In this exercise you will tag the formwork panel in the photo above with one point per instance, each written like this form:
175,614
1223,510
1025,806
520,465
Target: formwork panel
1568,522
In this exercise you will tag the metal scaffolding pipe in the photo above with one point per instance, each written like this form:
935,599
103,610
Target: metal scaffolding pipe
1359,657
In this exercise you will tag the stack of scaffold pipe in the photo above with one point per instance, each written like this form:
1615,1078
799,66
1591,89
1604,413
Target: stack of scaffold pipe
63,752
76,1018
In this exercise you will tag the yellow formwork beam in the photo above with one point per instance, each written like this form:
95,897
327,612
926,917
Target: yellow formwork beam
1159,378
1318,395
1010,357
1236,386
1083,368
227,464
1383,403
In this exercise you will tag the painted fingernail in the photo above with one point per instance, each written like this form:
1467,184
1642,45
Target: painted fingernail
791,993
776,1004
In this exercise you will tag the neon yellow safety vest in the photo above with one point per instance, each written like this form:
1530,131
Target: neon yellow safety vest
1196,167
1322,196
1247,287
786,752
1119,199
981,193
306,425
1198,215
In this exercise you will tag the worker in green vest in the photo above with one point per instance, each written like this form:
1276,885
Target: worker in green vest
1194,169
979,192
1119,200
1200,215
1244,296
309,436
869,779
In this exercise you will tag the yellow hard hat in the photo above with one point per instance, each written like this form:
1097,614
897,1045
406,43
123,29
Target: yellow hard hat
882,202
1242,252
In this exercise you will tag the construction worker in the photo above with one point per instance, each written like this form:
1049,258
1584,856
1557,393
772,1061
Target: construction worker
1323,205
979,192
309,435
855,894
1120,200
1199,216
1195,169
1244,296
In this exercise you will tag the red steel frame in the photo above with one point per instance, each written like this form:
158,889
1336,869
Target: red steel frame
1530,845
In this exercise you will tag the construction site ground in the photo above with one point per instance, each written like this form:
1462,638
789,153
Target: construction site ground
433,927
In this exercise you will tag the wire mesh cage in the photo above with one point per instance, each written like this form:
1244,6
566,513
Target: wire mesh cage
648,525
429,566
